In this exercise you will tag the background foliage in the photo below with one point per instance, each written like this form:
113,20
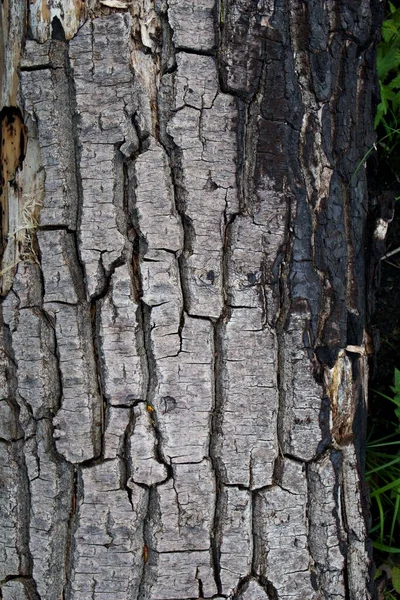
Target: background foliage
383,447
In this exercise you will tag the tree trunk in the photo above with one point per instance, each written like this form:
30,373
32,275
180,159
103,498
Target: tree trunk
185,295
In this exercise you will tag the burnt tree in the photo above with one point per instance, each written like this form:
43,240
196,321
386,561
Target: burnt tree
185,283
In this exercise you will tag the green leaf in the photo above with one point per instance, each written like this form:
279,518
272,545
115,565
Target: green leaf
388,61
384,548
389,30
396,579
384,97
379,115
394,16
397,376
395,83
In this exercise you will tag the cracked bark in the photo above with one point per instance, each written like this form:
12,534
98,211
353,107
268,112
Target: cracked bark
184,289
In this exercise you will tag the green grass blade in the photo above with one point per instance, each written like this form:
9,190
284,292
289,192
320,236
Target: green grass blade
394,518
384,445
385,548
370,150
381,518
385,466
385,488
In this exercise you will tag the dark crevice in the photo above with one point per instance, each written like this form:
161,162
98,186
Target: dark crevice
134,402
296,459
11,440
76,220
57,361
92,462
56,228
316,573
244,584
347,590
202,318
244,488
324,423
169,70
159,454
152,382
214,444
271,591
241,587
178,551
242,306
256,558
201,592
22,513
44,67
95,328
180,331
126,466
249,112
149,556
29,584
168,62
107,276
57,30
76,493
216,596
168,250
49,318
188,236
196,52
215,538
281,324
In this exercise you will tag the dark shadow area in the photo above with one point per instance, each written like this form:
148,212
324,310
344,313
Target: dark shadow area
383,444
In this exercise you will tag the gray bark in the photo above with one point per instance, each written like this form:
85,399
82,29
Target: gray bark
184,298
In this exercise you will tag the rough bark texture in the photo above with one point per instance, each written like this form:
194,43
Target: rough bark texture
184,290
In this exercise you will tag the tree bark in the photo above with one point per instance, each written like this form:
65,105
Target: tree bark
185,292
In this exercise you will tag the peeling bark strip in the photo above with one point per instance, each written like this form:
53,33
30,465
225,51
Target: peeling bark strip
183,344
